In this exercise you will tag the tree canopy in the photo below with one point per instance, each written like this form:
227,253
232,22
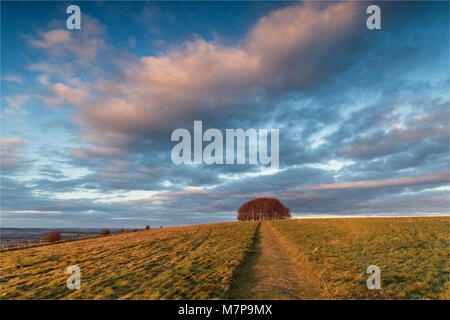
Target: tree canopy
263,209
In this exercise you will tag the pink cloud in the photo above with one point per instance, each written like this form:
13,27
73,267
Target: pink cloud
95,151
81,46
437,178
52,38
152,92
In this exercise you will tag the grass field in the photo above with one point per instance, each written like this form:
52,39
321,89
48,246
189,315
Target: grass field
412,253
192,262
280,259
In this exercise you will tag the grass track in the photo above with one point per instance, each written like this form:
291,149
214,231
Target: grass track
269,272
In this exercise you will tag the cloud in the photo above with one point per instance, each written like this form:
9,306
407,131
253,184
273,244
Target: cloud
82,46
76,94
437,178
16,102
400,136
52,38
292,45
197,77
32,211
14,106
95,152
9,153
13,78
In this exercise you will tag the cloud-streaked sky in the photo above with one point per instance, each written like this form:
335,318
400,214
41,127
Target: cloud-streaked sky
87,114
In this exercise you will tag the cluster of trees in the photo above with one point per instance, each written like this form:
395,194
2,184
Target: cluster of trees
263,209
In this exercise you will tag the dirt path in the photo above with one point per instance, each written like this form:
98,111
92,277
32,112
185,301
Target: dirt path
269,272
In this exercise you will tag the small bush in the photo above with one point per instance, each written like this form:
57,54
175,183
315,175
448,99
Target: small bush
105,232
147,228
134,230
122,230
53,236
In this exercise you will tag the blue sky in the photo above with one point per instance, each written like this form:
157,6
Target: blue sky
87,114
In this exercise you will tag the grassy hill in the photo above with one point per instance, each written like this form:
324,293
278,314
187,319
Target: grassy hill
194,262
412,253
281,259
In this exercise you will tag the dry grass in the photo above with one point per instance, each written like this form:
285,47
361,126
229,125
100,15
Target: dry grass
310,258
192,262
413,254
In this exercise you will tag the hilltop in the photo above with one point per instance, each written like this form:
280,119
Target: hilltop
278,259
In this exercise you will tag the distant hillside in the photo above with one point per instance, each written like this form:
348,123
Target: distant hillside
15,233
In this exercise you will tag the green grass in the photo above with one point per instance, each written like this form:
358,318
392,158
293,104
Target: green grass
412,253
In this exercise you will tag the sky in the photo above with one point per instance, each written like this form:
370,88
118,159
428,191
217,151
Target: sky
87,115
